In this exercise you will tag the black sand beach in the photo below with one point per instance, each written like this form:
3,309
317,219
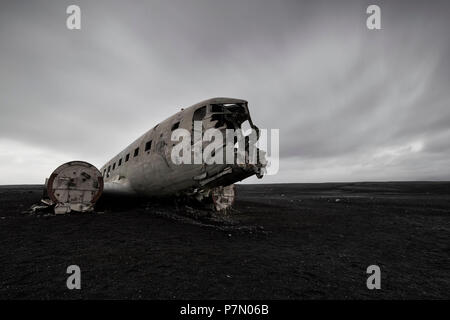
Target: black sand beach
286,241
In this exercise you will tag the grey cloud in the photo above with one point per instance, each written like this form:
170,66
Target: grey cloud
339,93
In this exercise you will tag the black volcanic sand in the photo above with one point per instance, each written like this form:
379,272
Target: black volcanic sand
289,241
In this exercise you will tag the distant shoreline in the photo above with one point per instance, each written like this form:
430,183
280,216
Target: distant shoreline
293,183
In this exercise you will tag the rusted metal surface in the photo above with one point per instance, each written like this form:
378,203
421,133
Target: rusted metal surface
74,186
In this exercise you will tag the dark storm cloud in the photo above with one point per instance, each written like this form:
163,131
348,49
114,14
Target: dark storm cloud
351,104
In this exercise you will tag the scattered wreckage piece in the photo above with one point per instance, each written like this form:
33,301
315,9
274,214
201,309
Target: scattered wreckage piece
223,197
73,186
203,217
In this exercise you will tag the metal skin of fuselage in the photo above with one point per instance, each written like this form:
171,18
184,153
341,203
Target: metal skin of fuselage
151,173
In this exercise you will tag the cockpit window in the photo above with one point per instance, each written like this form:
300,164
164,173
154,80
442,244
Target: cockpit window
176,125
199,114
227,108
230,115
216,108
234,108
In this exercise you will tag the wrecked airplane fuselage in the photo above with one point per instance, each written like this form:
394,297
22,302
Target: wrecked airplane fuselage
146,168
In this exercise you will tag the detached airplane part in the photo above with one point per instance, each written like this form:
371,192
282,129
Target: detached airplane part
73,186
145,168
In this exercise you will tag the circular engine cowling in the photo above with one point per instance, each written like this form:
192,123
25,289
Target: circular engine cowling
75,186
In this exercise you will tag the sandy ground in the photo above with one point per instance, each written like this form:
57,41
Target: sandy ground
289,241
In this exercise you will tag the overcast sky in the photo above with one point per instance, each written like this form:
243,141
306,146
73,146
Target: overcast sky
351,104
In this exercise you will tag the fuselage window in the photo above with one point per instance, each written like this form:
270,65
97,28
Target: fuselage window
175,125
127,157
148,145
120,162
199,115
136,152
